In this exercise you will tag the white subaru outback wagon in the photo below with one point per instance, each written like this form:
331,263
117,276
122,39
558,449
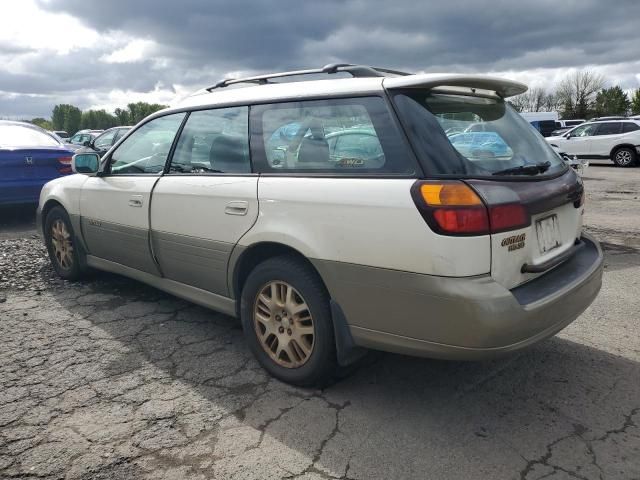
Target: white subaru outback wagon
337,214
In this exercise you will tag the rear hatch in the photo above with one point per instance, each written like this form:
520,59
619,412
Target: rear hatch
467,136
555,209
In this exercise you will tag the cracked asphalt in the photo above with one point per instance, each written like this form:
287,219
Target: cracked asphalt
110,379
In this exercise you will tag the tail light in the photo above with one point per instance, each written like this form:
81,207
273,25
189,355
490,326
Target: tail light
64,166
454,208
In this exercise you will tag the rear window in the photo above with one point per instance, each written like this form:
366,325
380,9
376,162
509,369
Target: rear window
629,127
339,136
611,128
19,136
466,135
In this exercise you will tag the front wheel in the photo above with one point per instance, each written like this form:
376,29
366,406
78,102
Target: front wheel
287,322
65,255
624,157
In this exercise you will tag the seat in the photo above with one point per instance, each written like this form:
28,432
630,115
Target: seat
227,155
315,148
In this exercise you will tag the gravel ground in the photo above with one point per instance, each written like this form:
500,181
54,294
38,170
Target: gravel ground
110,379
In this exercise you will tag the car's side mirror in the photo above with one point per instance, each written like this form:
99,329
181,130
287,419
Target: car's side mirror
85,163
568,136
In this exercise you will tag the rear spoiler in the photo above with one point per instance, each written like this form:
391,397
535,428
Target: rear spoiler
502,87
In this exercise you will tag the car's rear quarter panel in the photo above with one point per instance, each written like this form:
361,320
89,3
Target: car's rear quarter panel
362,221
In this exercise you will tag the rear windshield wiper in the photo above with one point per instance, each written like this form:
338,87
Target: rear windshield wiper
531,169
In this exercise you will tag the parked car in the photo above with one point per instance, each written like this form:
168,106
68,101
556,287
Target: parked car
618,140
477,144
570,123
544,122
399,242
29,158
62,135
104,141
81,138
566,125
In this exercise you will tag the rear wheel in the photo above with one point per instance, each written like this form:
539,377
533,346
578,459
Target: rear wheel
624,157
287,322
65,255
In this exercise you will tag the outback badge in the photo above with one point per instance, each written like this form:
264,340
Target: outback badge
514,242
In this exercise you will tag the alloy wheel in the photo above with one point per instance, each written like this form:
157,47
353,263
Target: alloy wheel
283,324
62,245
623,157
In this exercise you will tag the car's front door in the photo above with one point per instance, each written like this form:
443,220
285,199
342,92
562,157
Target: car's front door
579,140
114,207
206,200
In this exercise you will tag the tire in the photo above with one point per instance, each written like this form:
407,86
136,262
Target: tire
624,157
66,256
277,340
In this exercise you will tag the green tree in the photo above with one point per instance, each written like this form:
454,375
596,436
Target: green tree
66,117
635,102
139,110
122,116
42,123
612,101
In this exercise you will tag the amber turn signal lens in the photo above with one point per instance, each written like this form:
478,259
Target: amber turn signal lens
449,195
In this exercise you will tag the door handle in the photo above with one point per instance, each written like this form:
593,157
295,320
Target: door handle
135,201
237,207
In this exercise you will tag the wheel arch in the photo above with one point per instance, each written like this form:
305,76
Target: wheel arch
242,261
622,145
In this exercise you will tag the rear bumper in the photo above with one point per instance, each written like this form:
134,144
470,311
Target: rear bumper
461,318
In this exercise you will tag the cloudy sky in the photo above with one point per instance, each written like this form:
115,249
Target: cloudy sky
106,53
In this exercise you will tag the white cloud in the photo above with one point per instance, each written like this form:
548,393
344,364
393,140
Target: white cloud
24,24
133,51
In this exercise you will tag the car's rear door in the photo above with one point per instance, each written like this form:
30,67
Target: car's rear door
605,138
206,200
115,206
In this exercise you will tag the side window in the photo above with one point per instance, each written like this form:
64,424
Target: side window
629,127
612,128
584,131
214,141
103,142
146,150
340,136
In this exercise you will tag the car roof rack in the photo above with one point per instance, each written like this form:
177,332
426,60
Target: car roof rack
332,68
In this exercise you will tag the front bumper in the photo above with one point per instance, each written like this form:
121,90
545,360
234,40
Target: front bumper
461,318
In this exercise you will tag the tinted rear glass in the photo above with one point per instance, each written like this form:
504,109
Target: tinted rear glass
19,136
471,136
612,128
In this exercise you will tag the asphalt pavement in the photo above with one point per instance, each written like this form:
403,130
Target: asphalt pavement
111,379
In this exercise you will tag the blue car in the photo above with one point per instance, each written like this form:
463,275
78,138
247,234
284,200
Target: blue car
29,158
473,144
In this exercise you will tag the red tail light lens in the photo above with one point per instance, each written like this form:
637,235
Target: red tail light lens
508,217
454,208
65,165
462,220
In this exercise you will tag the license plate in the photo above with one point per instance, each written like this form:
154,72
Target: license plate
548,232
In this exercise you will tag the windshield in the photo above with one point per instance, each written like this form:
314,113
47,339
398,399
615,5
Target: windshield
473,136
